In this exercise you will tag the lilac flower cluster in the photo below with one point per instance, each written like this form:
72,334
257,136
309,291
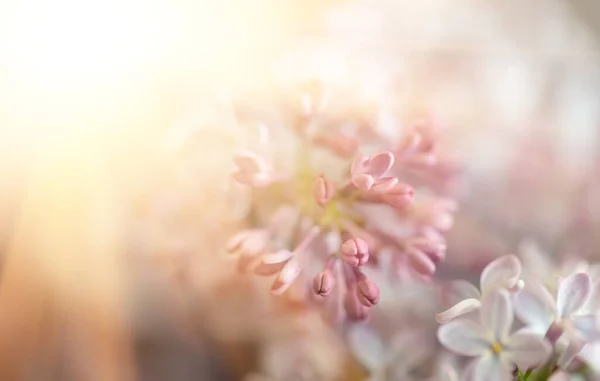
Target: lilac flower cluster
334,223
555,326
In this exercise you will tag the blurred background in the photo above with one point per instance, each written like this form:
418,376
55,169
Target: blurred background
111,244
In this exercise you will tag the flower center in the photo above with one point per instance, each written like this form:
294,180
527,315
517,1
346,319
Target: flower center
332,215
497,348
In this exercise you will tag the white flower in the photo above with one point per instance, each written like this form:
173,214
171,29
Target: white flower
540,265
497,350
502,273
536,307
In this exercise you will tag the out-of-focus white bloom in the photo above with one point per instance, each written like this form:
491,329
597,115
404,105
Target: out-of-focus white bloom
497,350
540,265
502,273
543,314
309,351
389,361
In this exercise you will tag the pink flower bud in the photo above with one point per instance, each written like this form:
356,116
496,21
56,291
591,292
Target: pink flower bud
287,276
270,264
355,252
248,242
323,190
323,283
435,250
366,291
354,309
421,263
410,143
340,144
399,197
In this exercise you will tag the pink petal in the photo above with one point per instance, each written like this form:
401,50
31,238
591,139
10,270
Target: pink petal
340,144
277,257
262,179
286,276
358,165
461,308
291,270
255,243
363,182
264,269
243,178
249,161
573,292
463,337
421,263
235,241
527,350
491,368
535,306
380,164
384,184
497,314
503,272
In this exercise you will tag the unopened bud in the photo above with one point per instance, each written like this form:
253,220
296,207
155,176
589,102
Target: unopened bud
354,309
323,283
399,197
323,190
340,144
355,252
421,263
366,291
286,277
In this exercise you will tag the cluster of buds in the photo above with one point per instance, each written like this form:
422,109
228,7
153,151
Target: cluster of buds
328,203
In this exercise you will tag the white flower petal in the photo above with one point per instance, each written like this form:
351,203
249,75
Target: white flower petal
490,368
587,327
535,260
366,347
497,314
573,348
461,289
458,309
534,306
573,292
463,337
503,272
527,350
